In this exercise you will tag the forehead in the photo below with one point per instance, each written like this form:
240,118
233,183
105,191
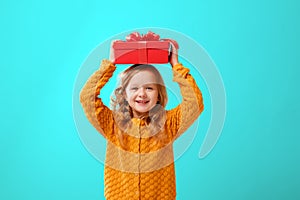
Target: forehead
143,77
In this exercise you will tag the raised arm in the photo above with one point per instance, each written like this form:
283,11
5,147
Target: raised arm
99,115
182,117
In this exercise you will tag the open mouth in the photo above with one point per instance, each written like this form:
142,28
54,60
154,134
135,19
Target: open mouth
142,101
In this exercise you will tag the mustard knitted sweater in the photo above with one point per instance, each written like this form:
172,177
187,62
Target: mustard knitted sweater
140,165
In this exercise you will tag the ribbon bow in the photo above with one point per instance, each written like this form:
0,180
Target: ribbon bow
136,36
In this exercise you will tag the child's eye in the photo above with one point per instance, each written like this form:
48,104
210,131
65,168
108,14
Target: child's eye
134,88
149,88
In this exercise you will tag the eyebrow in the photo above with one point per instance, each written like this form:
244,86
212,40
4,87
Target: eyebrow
133,85
143,85
150,84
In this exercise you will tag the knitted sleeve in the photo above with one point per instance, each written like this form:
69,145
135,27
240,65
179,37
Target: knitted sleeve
182,117
99,115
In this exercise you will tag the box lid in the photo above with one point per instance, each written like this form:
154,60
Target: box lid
140,44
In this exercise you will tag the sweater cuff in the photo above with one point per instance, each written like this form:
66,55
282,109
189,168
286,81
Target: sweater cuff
181,70
107,64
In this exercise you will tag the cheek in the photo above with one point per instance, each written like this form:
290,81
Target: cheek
155,96
126,95
156,93
129,96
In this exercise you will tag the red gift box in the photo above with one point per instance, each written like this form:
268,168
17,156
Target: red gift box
141,49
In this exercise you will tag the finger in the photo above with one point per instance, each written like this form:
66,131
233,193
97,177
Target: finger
112,53
173,48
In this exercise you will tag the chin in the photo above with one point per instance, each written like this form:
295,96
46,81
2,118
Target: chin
143,111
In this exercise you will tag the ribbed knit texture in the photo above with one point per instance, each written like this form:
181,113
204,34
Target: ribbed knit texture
137,166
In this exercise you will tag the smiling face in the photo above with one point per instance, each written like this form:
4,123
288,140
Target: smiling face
142,93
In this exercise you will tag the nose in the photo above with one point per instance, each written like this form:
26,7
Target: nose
142,92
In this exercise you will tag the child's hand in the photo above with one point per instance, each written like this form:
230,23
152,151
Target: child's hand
111,55
174,54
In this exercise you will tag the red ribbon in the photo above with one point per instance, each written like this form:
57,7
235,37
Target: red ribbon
150,36
136,36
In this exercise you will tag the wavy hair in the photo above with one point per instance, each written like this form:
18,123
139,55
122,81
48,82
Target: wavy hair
123,112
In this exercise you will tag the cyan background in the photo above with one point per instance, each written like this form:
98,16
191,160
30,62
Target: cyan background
255,45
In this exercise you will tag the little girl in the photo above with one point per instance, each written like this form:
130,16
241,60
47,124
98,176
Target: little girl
139,131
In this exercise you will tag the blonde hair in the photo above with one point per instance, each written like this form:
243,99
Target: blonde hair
123,112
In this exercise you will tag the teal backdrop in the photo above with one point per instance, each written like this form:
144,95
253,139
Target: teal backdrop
254,44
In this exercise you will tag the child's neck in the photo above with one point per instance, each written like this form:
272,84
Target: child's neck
140,115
